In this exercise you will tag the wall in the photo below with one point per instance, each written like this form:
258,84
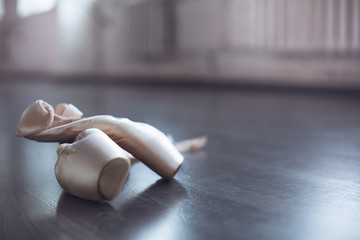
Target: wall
293,42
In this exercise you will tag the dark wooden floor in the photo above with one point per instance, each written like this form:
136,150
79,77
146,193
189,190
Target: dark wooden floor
280,164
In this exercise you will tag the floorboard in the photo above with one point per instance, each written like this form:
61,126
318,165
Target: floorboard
279,164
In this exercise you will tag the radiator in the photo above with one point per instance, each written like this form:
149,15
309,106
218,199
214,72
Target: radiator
148,31
316,26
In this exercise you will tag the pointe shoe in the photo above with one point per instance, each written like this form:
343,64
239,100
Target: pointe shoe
93,167
40,116
141,140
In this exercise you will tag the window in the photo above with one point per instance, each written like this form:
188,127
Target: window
27,8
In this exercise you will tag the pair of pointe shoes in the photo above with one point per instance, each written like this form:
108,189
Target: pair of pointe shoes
95,156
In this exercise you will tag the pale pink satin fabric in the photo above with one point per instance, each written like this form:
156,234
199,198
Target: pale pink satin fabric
94,159
40,116
144,142
93,167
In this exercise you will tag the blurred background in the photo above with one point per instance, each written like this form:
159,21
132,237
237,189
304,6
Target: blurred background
312,43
